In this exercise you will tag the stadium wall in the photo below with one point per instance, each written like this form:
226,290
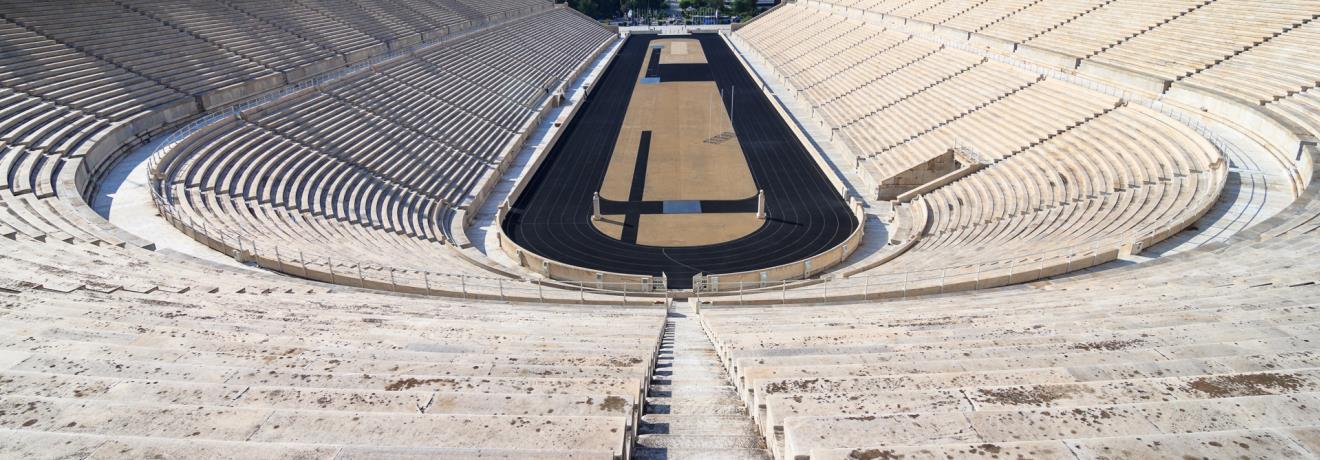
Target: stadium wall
797,270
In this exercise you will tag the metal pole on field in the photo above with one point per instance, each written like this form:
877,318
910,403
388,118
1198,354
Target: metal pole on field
760,204
595,206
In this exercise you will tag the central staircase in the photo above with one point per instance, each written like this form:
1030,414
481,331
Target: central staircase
692,411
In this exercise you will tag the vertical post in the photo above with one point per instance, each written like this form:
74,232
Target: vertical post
426,281
462,281
500,282
595,206
278,263
392,283
362,280
331,263
760,204
539,294
905,281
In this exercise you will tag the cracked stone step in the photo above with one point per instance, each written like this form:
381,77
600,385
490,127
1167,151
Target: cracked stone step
688,441
728,399
693,410
700,454
725,425
685,388
670,380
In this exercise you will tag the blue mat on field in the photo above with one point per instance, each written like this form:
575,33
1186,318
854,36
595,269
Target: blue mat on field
682,207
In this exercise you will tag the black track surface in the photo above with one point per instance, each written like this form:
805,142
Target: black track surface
553,216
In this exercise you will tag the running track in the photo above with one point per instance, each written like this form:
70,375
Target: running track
553,215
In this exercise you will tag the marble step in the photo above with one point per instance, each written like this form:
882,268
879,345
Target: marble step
724,425
690,441
646,453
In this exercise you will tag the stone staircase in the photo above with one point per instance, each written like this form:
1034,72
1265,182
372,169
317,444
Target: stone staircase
692,410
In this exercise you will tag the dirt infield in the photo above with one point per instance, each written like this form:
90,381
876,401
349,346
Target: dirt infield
692,153
680,51
677,148
680,230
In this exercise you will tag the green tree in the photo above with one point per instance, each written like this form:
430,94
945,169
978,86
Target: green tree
599,9
744,8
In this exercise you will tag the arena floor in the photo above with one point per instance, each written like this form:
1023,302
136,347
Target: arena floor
678,172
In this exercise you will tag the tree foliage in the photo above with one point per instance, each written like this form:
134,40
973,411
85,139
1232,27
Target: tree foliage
599,9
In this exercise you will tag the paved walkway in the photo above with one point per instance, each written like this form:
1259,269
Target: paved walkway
125,200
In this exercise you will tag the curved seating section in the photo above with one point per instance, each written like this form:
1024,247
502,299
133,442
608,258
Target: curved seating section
1209,356
1067,165
372,164
147,370
114,350
232,29
1108,25
1181,46
79,72
1127,174
1270,72
1252,50
1038,18
137,43
1209,353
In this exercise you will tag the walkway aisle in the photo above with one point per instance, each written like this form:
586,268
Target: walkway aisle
693,412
